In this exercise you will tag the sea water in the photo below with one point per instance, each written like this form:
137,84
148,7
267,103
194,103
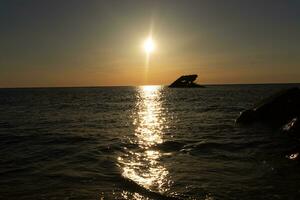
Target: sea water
149,142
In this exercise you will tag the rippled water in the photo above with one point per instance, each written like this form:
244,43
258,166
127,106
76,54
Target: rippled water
148,142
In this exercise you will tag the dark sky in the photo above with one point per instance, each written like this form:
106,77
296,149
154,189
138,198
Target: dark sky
87,43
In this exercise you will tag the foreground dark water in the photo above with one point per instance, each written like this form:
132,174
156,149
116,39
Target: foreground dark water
141,143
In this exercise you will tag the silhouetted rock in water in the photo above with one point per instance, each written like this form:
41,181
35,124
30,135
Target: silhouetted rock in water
186,82
292,128
293,154
277,110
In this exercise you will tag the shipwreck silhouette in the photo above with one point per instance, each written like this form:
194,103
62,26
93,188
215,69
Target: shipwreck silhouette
186,81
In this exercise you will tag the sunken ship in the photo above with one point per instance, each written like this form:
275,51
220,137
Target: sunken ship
186,81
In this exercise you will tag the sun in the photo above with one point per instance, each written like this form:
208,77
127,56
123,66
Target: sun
149,45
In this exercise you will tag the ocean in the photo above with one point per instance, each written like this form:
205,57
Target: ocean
148,142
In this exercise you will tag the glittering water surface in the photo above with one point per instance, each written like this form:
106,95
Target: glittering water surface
148,142
142,164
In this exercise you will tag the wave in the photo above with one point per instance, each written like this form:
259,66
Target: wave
134,187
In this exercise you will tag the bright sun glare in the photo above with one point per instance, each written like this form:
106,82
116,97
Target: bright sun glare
149,45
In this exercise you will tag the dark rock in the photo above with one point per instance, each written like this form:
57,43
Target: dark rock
247,116
293,156
292,128
293,153
277,110
186,82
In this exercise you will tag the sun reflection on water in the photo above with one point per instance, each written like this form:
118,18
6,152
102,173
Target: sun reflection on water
143,164
149,121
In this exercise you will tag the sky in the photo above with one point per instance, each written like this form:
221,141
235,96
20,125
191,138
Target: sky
50,43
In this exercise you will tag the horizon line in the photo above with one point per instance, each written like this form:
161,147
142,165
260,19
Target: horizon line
99,86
